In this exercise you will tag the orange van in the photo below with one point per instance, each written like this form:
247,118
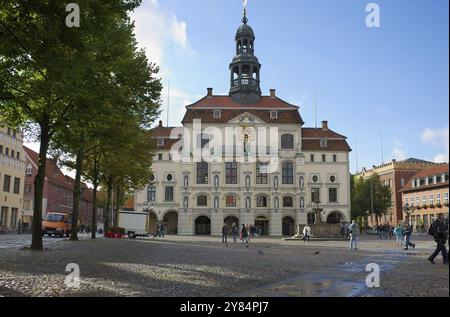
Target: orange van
57,224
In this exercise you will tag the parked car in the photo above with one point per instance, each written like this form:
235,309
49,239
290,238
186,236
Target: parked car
370,230
57,224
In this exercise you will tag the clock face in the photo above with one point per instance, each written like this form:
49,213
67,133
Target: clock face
247,133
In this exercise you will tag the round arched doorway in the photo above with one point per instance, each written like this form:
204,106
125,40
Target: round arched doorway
203,226
288,226
229,223
335,217
262,226
171,222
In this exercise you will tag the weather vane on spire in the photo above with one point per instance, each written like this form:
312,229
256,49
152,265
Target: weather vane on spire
244,19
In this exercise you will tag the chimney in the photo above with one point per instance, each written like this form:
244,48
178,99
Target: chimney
210,92
325,125
160,124
273,93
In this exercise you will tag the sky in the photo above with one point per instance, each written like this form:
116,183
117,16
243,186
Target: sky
385,88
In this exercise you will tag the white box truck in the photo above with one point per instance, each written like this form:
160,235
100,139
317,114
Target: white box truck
134,223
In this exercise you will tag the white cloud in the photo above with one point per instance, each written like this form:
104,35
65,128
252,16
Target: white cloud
438,138
399,153
159,33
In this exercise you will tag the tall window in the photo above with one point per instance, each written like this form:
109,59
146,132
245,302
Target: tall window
324,158
315,195
332,195
7,183
231,201
231,172
287,141
169,193
16,188
261,174
424,200
202,173
261,201
438,198
445,198
288,202
151,193
402,182
288,173
335,158
312,158
202,201
431,200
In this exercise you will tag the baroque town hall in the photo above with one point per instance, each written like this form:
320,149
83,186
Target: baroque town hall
196,196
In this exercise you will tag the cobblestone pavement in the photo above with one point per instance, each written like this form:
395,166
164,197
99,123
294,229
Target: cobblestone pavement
202,266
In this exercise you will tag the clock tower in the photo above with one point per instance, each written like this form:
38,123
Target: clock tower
245,67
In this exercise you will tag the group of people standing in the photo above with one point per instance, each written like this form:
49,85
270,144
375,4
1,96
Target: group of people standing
244,234
403,234
160,231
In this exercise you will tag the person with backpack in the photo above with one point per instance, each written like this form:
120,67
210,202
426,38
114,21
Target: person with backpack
439,230
407,234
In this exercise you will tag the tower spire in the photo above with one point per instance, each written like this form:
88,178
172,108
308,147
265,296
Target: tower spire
244,18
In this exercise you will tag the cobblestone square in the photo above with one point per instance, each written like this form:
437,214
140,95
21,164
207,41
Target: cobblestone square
203,266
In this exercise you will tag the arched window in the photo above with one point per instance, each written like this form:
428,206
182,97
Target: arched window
245,46
288,202
288,173
231,201
202,201
287,141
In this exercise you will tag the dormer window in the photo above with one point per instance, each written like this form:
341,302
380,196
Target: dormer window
160,142
217,114
323,143
274,115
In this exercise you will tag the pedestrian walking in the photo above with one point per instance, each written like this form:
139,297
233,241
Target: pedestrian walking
439,230
354,235
235,232
398,231
163,230
224,233
408,234
306,233
244,235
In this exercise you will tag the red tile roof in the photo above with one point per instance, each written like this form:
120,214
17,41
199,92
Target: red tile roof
207,115
428,172
332,145
55,176
319,133
226,102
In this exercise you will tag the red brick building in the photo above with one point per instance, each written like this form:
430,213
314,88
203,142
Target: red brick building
396,175
58,190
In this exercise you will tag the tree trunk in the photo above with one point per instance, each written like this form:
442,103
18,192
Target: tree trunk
108,206
116,217
94,201
77,190
39,181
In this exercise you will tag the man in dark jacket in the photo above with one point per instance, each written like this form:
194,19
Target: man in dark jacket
440,233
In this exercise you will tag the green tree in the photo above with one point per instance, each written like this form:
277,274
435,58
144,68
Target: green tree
44,68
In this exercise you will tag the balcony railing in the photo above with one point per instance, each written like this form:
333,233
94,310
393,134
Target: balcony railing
244,82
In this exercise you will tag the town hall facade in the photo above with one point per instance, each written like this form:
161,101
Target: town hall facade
272,174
